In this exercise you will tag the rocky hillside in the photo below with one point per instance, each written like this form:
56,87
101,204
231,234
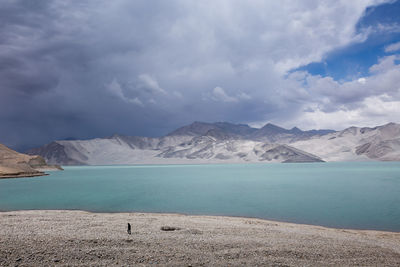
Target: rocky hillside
269,133
230,143
185,149
198,142
14,164
356,144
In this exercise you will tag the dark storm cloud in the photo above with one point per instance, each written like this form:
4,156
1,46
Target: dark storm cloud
92,68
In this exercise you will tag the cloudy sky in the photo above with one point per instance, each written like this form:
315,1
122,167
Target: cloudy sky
91,68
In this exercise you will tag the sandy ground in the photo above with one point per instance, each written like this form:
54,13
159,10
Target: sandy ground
33,238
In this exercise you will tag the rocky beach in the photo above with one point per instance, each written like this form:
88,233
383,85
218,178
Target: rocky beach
60,237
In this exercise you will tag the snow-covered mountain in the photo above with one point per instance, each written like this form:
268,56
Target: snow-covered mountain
230,143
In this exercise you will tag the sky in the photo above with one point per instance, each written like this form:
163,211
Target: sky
92,68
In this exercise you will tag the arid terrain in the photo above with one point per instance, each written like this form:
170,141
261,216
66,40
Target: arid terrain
14,164
223,142
33,238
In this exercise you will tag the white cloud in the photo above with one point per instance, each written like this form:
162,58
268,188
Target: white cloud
372,111
384,64
151,83
147,89
243,96
378,29
362,80
115,88
327,103
384,78
218,94
393,47
136,101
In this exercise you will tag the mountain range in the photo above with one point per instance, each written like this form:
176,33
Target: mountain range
224,142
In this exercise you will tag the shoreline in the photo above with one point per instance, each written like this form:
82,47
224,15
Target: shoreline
23,175
40,171
205,215
190,162
89,238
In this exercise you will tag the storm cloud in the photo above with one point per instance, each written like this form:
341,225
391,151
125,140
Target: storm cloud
87,69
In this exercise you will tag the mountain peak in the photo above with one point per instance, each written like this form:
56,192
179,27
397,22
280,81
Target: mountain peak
273,128
295,130
193,129
114,136
198,128
199,123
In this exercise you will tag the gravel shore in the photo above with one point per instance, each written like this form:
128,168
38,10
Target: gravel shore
33,238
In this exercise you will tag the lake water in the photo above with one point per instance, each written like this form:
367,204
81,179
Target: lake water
346,195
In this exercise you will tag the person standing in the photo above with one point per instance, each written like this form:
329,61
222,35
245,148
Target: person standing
129,228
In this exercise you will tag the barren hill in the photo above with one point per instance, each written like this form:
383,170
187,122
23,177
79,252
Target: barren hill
14,164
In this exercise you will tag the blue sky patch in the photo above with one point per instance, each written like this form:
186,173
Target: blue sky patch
354,60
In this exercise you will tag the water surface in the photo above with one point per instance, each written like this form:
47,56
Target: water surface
346,195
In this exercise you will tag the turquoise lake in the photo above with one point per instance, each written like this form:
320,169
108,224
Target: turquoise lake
363,195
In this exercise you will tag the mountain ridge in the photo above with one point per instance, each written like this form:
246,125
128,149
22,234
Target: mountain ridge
224,142
269,132
356,143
